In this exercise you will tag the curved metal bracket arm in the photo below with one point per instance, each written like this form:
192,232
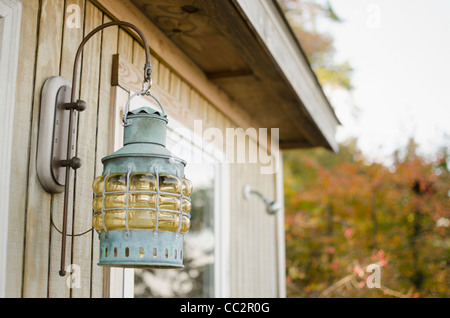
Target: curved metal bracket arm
75,163
147,66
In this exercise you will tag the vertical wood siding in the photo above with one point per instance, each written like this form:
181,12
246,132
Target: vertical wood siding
253,249
47,48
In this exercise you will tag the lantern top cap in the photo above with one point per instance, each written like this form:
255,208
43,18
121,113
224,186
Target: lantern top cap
147,111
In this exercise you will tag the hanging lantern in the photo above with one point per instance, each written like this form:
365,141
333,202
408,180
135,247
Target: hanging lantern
142,200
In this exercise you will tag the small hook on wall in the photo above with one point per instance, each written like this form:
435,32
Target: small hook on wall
272,206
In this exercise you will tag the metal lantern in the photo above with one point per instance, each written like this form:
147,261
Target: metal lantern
142,200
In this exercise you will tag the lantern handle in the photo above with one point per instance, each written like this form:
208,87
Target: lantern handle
145,92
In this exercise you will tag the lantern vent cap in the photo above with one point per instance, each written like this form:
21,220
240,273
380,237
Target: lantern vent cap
147,111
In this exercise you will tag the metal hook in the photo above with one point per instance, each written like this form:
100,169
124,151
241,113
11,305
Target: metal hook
145,92
272,206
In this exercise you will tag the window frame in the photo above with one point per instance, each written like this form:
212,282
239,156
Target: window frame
10,20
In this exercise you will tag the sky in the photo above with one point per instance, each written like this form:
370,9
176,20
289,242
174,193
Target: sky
400,53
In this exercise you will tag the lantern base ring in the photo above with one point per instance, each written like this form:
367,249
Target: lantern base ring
141,249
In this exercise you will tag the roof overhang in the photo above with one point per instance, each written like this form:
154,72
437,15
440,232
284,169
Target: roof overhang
248,49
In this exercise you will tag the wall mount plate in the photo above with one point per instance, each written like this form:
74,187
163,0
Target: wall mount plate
53,133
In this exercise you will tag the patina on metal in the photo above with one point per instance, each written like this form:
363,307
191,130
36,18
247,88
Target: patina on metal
144,151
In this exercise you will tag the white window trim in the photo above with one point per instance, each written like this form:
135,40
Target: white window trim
121,281
222,231
10,18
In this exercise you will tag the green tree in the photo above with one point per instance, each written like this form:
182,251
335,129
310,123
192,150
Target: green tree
303,16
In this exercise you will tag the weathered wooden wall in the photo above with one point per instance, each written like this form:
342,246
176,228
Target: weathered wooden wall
253,247
47,48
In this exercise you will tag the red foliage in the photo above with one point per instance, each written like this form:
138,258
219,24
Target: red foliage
343,214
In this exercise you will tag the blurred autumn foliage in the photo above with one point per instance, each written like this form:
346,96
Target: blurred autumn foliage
343,213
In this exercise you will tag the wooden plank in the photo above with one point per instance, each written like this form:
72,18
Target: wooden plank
253,221
125,44
129,78
155,68
270,254
124,75
185,93
115,118
238,224
194,103
118,101
158,76
164,77
20,156
89,90
175,86
72,37
109,47
250,219
222,232
271,285
139,61
194,33
138,55
210,114
36,257
58,288
203,109
280,232
235,237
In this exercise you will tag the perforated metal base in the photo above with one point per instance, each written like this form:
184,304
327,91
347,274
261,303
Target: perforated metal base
141,248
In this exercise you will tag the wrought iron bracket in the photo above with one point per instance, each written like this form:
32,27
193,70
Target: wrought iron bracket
57,128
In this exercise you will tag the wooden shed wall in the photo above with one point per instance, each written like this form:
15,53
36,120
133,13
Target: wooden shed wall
253,247
47,48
